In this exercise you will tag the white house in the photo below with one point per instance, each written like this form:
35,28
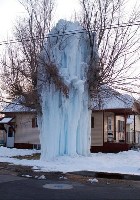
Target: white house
112,129
18,127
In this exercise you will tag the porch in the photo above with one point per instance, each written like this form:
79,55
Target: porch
7,131
111,133
113,147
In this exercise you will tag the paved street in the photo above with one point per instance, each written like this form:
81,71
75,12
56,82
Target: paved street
21,188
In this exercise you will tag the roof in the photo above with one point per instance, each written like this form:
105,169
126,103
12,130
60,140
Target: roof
109,99
5,120
16,106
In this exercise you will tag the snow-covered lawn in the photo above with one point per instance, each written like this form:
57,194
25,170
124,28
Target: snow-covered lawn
127,162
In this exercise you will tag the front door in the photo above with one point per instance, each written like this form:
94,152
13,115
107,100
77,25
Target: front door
10,136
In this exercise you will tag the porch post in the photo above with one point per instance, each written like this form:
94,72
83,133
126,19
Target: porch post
134,128
103,127
125,118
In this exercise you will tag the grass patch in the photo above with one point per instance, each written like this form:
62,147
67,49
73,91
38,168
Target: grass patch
35,156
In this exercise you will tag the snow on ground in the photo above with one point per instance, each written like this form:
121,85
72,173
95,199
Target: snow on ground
7,152
127,162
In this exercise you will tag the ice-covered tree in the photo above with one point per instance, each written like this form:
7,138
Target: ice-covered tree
65,118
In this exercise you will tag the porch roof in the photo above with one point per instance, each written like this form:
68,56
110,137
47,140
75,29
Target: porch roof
6,120
121,111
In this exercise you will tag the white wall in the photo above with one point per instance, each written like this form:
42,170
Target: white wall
24,131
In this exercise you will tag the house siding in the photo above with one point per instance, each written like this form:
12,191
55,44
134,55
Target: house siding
24,131
97,131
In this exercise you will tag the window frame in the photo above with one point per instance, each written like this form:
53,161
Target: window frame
121,126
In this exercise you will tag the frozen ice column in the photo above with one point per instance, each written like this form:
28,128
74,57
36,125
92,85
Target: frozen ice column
65,122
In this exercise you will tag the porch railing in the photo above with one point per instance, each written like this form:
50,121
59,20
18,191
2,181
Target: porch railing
116,137
133,138
129,137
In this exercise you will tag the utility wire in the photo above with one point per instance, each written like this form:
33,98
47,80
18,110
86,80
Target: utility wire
68,33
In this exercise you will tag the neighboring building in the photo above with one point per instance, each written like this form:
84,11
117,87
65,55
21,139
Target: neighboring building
109,124
18,127
133,126
115,125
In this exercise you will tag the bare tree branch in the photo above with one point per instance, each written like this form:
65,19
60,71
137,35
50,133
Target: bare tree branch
118,45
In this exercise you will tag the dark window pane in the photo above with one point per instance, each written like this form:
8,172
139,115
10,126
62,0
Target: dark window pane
10,132
92,122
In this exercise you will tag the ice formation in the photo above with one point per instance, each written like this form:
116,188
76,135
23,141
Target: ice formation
65,122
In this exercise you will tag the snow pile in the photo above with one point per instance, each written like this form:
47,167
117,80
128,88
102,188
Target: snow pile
7,152
93,180
27,176
127,162
42,177
65,122
63,178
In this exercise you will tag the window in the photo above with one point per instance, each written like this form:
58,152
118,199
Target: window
120,126
34,122
109,124
10,132
92,122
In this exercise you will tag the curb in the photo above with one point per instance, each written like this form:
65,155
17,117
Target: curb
108,175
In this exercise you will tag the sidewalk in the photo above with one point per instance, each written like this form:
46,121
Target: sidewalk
107,175
18,170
